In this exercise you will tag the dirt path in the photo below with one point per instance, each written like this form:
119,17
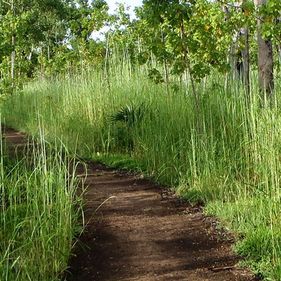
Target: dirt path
138,231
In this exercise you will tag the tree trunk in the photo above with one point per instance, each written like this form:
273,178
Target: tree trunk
13,58
279,53
265,60
246,60
13,53
166,70
239,59
243,56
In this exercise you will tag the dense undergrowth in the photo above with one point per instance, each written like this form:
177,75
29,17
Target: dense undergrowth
38,213
225,152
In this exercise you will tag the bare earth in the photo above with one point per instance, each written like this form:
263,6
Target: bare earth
137,230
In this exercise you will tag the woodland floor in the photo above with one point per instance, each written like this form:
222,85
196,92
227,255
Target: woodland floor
137,230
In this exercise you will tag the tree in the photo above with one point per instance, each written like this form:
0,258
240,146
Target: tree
26,29
265,55
46,36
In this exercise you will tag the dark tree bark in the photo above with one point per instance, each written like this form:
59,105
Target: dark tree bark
243,60
240,57
265,60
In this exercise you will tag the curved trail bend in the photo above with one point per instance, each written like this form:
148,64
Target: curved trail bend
137,231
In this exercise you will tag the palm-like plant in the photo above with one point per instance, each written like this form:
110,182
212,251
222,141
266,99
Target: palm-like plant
129,114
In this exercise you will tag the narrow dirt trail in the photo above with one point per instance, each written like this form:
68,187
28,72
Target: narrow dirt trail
137,230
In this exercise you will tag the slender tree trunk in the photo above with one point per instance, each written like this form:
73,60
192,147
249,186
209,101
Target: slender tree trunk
199,121
243,57
232,56
13,53
239,59
188,66
166,70
279,53
265,60
278,46
13,59
246,60
48,52
107,63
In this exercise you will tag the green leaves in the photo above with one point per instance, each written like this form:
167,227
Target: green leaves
155,75
188,33
130,114
47,35
271,24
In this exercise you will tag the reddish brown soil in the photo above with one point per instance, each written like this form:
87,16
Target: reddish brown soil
137,230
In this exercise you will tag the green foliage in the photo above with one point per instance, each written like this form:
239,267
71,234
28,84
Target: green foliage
189,36
184,38
47,37
155,76
130,114
270,12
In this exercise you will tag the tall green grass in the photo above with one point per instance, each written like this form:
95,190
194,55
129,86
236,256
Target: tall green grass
225,153
38,216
